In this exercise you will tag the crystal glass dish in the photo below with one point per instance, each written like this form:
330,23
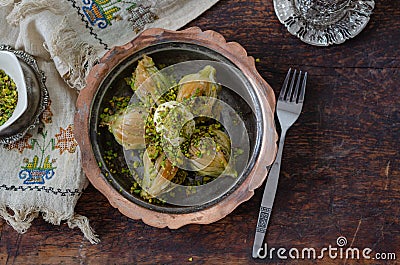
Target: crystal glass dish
324,22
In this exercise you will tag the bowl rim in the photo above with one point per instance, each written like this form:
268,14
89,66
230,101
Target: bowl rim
230,50
37,93
10,64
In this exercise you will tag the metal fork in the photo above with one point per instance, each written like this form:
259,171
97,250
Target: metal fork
290,103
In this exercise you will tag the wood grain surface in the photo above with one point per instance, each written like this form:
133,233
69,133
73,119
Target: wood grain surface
340,169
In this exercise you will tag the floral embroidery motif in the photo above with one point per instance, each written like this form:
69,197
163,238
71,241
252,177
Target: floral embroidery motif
21,144
40,168
47,114
140,16
100,13
66,140
82,17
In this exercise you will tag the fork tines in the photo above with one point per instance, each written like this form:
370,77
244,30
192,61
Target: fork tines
291,92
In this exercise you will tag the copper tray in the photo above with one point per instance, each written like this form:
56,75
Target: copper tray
195,44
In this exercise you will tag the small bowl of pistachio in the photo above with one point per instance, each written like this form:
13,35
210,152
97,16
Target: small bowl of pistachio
13,93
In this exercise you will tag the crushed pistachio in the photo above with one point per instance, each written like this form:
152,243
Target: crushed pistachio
203,127
136,164
8,97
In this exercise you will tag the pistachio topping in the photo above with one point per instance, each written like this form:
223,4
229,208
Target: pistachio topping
8,97
171,129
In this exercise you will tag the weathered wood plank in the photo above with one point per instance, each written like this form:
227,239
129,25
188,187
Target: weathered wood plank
340,173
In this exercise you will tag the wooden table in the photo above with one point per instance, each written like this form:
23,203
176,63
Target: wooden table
340,170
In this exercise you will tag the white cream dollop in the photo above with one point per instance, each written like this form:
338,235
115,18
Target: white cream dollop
170,118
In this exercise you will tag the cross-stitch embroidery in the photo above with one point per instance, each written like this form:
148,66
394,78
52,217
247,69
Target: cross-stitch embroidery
66,140
40,167
21,144
102,12
47,114
140,16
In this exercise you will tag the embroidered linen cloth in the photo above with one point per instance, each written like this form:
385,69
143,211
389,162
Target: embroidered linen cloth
42,173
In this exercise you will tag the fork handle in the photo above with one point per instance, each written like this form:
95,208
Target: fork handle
268,199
